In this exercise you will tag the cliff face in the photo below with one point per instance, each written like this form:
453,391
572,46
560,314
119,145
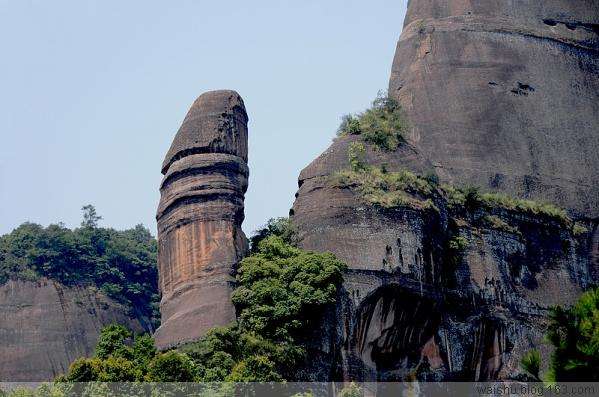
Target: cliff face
501,95
505,95
413,304
45,325
199,218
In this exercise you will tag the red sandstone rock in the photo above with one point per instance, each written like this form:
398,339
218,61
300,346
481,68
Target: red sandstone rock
505,95
499,94
44,326
199,218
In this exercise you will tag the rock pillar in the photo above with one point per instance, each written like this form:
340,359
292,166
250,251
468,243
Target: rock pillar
199,218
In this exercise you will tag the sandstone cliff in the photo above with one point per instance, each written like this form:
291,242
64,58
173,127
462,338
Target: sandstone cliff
501,95
45,325
199,218
505,95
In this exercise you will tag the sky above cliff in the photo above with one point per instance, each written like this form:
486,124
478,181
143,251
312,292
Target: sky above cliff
92,94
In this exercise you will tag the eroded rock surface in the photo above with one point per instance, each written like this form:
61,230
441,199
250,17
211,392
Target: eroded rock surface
199,218
413,306
44,326
505,95
501,95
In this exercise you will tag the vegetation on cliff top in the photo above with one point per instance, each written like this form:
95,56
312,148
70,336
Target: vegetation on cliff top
471,197
394,189
574,334
383,188
281,294
121,263
382,125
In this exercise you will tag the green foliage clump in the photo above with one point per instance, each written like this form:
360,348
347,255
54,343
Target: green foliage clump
357,156
456,199
578,229
255,369
111,342
350,125
232,354
121,263
388,189
281,227
120,357
171,366
281,287
281,294
526,206
497,223
574,334
472,198
382,125
458,243
531,363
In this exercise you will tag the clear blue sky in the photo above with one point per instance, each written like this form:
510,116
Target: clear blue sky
92,93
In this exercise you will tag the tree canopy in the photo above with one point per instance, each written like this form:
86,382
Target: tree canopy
281,294
121,263
574,334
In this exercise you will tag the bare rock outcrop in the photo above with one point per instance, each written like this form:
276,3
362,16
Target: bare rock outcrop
199,218
499,94
505,95
45,326
411,304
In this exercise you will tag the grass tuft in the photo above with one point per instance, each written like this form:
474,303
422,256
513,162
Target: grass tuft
382,125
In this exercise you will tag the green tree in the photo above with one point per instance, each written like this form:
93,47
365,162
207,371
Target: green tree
111,342
281,288
117,358
121,263
382,125
84,370
90,216
282,292
143,350
171,366
531,363
281,227
574,334
119,369
255,369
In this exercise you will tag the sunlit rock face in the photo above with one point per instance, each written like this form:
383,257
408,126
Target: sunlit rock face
45,326
199,218
505,95
499,94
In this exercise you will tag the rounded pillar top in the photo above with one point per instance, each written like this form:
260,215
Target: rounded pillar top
215,123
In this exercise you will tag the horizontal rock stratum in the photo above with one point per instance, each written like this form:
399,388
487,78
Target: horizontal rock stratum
199,218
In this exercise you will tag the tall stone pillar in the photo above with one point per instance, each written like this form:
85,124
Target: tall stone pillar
199,218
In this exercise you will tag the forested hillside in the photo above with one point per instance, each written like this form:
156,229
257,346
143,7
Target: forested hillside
122,264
